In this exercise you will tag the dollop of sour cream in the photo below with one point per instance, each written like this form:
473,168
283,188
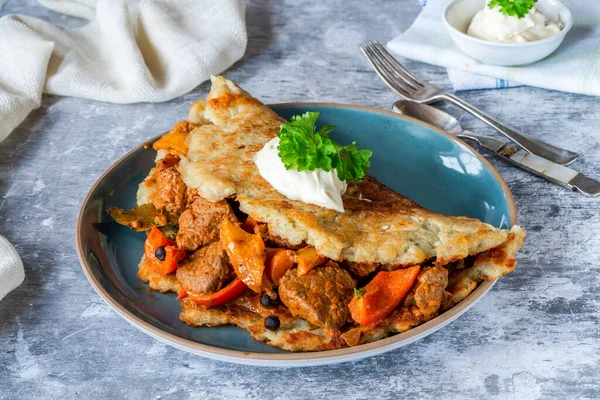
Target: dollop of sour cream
318,187
491,25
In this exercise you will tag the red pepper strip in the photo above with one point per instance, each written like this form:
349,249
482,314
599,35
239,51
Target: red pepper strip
225,295
173,255
181,295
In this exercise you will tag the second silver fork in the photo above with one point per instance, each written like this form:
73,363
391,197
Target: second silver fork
409,87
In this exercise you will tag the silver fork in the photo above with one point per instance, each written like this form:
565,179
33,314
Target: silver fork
409,87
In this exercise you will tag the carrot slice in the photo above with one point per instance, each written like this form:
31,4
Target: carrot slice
278,262
382,295
308,259
246,252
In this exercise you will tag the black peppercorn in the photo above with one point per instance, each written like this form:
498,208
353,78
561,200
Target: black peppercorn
160,253
272,323
267,301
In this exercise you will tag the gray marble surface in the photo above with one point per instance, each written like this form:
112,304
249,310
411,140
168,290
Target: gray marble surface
535,335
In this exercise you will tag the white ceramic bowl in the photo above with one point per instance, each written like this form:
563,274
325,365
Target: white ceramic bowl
457,18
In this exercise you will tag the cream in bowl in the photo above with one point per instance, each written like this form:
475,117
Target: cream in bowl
495,38
495,26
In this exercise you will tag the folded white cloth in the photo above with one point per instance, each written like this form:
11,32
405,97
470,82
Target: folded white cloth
574,67
130,51
12,273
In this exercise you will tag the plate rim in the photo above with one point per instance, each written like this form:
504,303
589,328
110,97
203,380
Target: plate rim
295,359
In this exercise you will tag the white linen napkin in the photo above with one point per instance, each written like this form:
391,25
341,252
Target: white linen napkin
129,51
573,67
12,273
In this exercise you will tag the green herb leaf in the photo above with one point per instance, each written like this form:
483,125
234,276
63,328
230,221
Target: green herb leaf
355,163
358,293
304,148
170,230
518,8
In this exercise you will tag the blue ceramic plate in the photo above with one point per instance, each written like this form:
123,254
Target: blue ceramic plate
422,162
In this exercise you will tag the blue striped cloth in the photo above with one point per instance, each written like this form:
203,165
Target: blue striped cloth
463,80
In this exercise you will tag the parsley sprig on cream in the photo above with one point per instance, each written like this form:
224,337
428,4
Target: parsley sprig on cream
303,148
518,8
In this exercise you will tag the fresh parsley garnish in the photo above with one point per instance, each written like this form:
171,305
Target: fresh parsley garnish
358,293
303,148
174,228
518,8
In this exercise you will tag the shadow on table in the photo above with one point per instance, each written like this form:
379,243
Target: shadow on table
15,151
25,140
259,25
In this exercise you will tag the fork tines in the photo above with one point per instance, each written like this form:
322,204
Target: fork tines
398,78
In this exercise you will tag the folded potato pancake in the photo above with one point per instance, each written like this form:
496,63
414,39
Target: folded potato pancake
206,173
